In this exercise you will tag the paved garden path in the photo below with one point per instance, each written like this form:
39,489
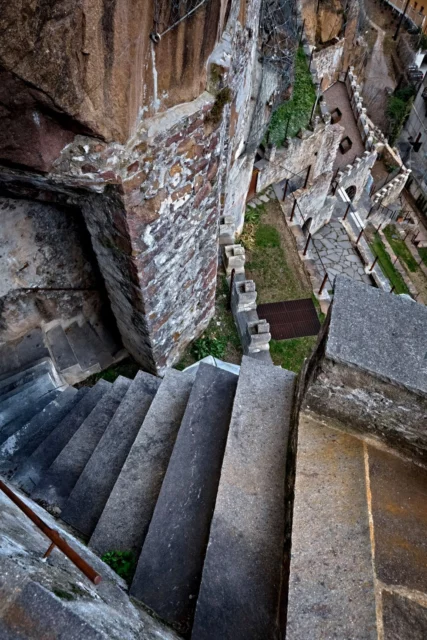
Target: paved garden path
337,254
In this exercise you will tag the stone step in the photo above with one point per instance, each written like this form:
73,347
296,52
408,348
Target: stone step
20,378
87,500
30,471
21,444
124,522
29,408
16,381
17,404
60,348
170,565
58,481
240,588
108,339
331,581
87,347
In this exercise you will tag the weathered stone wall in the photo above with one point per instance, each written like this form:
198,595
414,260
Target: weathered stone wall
92,67
357,401
153,202
312,203
316,149
328,63
47,267
357,174
368,374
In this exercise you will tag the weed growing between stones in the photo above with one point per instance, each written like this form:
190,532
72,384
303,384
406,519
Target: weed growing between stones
122,562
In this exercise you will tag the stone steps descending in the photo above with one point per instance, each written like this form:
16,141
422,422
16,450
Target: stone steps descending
14,406
125,519
21,444
17,380
87,500
57,482
30,471
29,408
87,347
60,348
170,565
240,588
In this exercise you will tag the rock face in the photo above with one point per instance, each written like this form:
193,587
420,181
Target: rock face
146,138
85,66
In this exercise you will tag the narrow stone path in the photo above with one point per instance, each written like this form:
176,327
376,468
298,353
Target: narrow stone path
377,80
337,254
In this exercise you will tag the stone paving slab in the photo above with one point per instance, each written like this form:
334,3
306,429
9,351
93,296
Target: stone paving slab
403,619
331,585
337,254
399,510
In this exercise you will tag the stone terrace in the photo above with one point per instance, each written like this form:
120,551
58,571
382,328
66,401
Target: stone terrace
337,96
336,253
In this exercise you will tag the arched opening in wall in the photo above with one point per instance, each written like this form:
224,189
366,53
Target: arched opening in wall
306,226
351,192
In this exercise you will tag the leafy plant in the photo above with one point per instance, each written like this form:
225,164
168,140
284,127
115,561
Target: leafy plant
122,562
398,107
294,114
209,346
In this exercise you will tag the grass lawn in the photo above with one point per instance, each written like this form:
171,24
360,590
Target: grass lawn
399,247
423,254
290,354
274,265
386,265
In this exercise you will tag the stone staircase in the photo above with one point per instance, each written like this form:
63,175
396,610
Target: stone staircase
187,471
78,349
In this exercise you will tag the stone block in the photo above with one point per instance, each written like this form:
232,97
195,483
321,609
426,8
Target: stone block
245,295
234,258
59,480
240,590
179,530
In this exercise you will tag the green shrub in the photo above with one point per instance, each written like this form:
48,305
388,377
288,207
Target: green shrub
122,562
209,346
294,115
398,107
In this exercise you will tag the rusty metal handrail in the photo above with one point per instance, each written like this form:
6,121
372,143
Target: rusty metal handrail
54,537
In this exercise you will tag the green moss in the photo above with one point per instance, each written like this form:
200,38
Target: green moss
223,97
122,562
387,267
399,247
295,114
290,354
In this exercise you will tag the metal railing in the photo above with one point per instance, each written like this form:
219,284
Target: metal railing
54,537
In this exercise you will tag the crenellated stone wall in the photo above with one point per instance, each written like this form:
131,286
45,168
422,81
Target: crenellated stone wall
357,173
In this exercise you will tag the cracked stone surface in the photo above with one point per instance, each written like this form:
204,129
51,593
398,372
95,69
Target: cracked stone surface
337,254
